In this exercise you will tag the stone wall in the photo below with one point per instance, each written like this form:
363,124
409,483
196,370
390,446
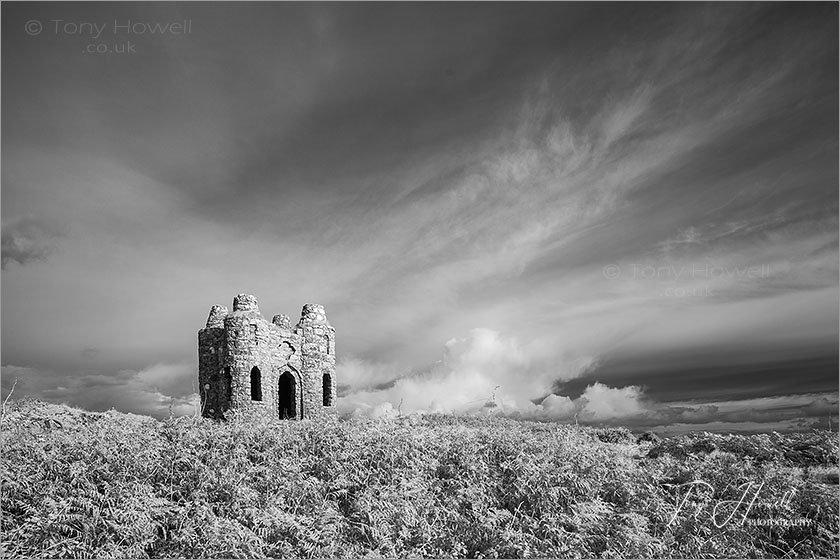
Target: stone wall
233,343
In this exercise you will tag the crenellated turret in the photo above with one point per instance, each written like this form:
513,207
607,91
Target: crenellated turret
318,353
214,385
217,316
283,321
245,302
242,328
320,334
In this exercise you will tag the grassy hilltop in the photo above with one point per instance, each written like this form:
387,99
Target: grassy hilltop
79,484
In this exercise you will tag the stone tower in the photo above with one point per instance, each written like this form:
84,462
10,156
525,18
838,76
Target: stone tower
271,370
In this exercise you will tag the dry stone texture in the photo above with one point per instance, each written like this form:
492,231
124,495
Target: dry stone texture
271,370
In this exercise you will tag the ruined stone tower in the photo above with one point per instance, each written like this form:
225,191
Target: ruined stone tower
272,370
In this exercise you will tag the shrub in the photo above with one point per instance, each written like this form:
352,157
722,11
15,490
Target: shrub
614,435
112,485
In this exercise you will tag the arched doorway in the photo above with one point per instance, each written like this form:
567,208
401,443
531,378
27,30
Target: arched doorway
286,391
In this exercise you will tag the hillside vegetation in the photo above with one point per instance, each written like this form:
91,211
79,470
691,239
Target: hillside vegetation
78,484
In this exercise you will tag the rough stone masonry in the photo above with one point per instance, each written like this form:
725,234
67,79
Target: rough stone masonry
271,370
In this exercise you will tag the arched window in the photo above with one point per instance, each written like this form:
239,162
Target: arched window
256,384
327,389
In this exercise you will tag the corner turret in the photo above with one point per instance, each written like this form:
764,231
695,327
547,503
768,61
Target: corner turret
318,352
217,316
245,302
283,321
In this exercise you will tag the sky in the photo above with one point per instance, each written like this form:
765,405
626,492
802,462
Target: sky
605,213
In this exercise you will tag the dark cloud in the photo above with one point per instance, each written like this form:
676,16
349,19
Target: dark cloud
26,240
717,373
631,407
90,352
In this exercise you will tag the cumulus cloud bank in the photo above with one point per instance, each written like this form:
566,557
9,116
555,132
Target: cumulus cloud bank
488,371
472,370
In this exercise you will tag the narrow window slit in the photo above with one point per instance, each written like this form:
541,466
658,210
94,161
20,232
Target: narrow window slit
256,384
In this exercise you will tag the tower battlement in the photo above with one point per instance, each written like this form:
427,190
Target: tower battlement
270,369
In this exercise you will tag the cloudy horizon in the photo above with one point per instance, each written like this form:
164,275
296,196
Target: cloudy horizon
620,214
